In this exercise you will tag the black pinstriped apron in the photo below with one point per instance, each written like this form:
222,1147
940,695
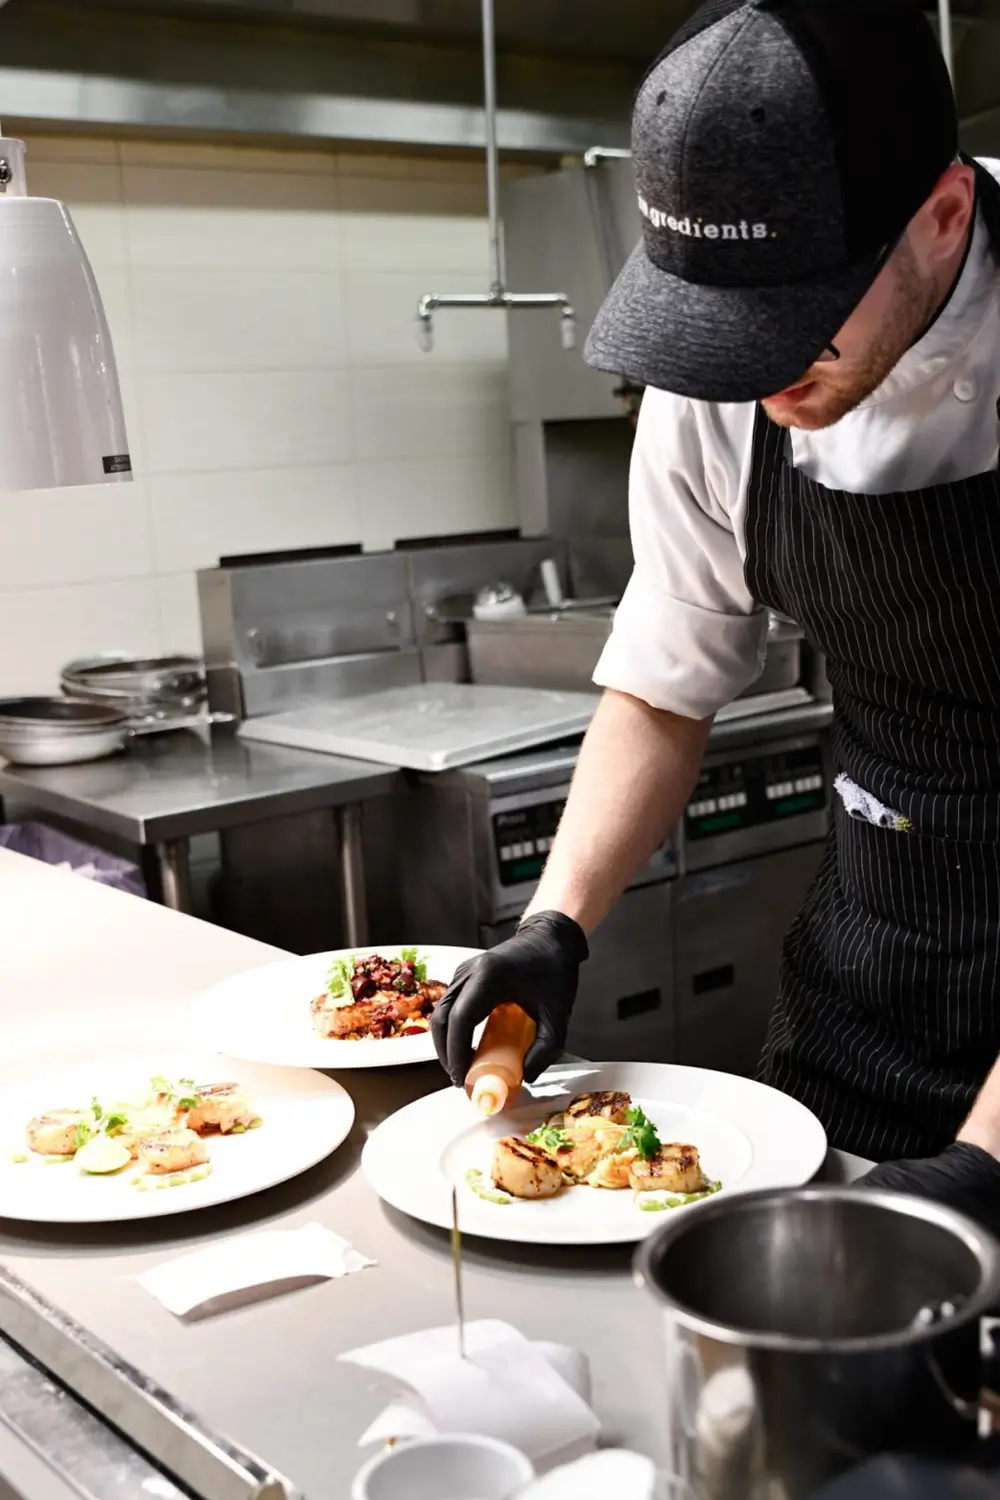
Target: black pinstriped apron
888,1013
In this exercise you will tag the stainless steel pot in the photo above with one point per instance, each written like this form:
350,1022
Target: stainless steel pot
806,1330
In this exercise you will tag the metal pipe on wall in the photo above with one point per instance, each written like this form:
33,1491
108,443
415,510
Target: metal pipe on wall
498,295
497,269
944,35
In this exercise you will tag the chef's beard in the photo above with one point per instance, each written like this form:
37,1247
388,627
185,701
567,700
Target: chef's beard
841,385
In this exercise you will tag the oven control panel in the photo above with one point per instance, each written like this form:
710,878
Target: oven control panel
756,790
523,835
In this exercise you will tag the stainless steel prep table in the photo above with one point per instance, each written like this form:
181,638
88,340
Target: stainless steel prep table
168,788
266,1375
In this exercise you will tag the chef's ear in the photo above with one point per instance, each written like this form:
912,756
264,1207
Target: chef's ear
939,227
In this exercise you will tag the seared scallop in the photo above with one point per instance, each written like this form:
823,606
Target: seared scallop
55,1132
610,1105
220,1106
675,1168
613,1171
173,1151
524,1170
145,1123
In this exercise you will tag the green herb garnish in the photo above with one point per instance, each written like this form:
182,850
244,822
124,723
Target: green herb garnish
338,978
640,1136
550,1137
181,1094
106,1122
409,956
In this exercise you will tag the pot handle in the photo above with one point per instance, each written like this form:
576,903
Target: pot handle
988,1418
985,1411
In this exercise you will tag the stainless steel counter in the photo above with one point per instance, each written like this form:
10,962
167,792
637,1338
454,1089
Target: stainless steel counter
267,1375
167,788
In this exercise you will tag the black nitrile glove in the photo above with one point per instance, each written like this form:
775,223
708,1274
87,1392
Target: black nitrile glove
963,1177
538,969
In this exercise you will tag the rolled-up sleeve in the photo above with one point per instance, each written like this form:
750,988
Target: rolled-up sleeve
688,635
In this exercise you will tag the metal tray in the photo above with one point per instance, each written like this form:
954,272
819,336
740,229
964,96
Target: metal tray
557,651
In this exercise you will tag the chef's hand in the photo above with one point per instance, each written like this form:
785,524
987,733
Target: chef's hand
964,1177
538,969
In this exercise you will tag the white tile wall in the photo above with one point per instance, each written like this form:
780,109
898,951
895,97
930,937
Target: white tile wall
261,305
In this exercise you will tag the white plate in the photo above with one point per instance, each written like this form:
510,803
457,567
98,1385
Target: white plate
305,1117
749,1136
264,1014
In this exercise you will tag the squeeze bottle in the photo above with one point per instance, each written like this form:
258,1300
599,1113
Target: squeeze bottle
497,1069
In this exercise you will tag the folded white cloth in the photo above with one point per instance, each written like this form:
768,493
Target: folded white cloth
533,1395
248,1267
867,809
612,1472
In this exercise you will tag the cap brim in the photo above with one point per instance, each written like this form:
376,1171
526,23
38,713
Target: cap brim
715,343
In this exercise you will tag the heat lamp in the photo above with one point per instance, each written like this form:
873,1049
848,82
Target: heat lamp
61,418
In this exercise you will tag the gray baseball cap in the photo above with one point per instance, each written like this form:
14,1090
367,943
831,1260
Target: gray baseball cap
780,148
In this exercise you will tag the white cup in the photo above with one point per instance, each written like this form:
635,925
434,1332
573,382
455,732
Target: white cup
447,1467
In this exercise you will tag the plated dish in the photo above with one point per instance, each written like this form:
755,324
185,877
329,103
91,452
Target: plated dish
158,1132
364,1008
540,1174
375,996
600,1140
98,1142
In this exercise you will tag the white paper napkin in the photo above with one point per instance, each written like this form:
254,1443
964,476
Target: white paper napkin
248,1267
612,1472
533,1395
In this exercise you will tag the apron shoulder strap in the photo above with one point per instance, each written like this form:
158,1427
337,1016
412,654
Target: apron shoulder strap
769,447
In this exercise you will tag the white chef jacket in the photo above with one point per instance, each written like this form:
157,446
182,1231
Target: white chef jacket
687,635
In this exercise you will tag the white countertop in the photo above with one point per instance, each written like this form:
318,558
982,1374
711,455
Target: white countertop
75,957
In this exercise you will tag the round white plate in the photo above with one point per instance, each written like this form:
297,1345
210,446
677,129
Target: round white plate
264,1013
305,1117
749,1136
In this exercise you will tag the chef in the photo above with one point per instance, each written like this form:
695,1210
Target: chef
814,310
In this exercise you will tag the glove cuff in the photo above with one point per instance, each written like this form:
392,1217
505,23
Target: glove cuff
567,933
965,1156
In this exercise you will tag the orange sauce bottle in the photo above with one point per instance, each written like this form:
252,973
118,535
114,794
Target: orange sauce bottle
497,1070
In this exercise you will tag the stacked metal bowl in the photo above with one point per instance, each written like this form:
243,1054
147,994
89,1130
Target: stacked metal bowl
59,731
149,690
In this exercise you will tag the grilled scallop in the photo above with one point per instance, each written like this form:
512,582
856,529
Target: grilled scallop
609,1105
674,1169
613,1171
151,1120
173,1151
220,1106
54,1133
524,1170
